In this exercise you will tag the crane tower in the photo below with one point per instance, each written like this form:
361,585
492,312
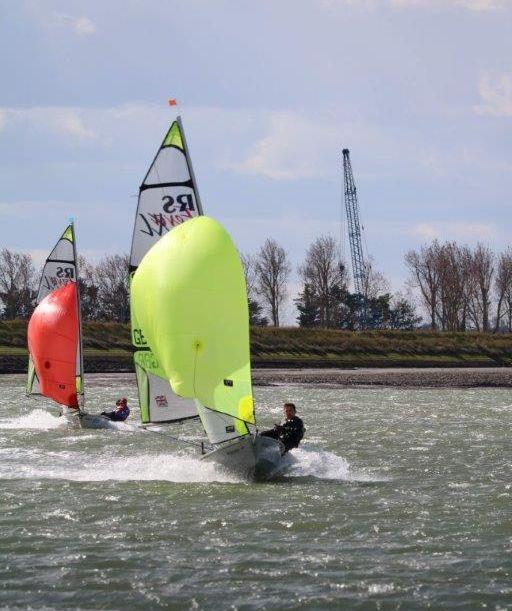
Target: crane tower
359,270
359,266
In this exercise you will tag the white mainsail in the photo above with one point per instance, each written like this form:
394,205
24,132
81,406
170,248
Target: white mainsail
168,197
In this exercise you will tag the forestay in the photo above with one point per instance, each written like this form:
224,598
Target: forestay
196,274
167,198
60,268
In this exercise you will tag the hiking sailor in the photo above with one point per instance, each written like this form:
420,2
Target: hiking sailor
121,413
291,432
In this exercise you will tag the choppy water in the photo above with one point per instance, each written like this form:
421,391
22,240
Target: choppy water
397,499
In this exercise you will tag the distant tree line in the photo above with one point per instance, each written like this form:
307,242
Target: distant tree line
463,288
324,299
103,287
458,287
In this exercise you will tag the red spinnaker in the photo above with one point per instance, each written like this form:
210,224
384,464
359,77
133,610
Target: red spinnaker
53,344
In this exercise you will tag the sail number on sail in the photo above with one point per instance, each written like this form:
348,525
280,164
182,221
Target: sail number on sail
175,210
62,276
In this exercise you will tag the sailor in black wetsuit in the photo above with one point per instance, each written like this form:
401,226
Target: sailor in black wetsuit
121,412
290,432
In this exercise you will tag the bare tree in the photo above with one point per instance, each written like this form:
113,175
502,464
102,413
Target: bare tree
88,289
503,289
272,272
111,276
481,273
375,283
324,276
454,269
249,265
424,268
508,307
255,308
17,284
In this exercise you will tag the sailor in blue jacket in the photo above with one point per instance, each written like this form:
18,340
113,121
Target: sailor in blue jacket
121,412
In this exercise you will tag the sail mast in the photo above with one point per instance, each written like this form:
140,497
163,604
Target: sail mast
190,168
80,356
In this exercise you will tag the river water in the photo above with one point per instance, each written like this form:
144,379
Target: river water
398,498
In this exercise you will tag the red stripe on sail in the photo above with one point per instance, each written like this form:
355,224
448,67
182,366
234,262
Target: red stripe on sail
53,344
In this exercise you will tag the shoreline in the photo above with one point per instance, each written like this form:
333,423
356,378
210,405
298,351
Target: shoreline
485,377
453,377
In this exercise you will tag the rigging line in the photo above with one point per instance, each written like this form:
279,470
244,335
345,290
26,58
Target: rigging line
195,366
216,411
178,439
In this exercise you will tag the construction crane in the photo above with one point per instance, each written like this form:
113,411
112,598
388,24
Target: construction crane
359,268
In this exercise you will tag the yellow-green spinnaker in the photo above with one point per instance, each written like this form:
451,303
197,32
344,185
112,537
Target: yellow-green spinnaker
190,299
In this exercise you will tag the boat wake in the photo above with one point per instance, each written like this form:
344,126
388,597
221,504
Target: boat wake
309,463
143,468
162,467
37,419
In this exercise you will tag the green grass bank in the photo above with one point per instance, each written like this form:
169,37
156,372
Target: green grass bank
108,348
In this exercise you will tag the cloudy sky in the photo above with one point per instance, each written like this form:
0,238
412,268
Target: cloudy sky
420,91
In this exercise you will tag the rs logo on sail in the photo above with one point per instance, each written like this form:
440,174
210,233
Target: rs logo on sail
65,272
184,200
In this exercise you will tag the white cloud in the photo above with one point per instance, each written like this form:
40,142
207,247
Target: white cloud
81,26
292,145
475,5
16,210
84,26
63,120
455,230
472,5
496,96
292,148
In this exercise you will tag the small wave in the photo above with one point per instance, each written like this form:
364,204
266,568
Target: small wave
305,462
38,419
320,464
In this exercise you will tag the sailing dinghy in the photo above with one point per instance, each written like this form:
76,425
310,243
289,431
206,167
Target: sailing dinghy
168,201
54,335
190,300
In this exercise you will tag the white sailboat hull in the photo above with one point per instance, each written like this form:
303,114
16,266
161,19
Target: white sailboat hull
253,458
